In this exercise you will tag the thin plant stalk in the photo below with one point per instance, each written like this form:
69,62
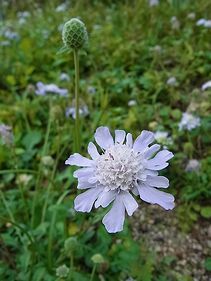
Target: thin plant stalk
77,121
93,271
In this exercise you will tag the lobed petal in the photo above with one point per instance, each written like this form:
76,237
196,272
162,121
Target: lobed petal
79,160
157,181
143,141
84,172
119,136
84,201
92,150
129,140
129,202
159,162
154,196
105,198
114,219
151,151
103,137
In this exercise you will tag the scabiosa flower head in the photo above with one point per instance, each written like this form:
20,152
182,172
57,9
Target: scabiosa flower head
189,122
43,89
122,169
74,34
163,138
175,24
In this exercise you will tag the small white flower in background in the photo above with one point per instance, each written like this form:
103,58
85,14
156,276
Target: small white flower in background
47,161
23,179
153,3
189,122
83,111
91,90
163,138
193,165
206,86
123,168
204,22
172,81
191,16
64,77
132,103
62,7
175,24
43,89
6,134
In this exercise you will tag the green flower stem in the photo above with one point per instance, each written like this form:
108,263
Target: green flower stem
77,121
93,271
40,166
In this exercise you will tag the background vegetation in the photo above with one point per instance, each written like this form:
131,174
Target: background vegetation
134,48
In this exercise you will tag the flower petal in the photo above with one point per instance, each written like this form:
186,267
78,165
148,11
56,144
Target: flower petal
129,140
129,202
83,172
105,198
84,201
103,137
157,181
151,150
154,196
159,162
114,219
142,141
92,150
119,136
78,160
84,184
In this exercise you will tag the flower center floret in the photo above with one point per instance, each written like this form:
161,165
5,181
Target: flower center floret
119,167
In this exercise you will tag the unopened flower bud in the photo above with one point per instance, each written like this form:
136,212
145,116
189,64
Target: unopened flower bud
62,271
97,258
70,245
74,34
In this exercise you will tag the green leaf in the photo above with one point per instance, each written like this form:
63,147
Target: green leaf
206,212
207,264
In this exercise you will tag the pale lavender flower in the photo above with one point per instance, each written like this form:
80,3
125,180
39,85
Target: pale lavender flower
172,81
206,85
11,35
193,165
123,169
153,3
204,22
43,89
83,111
189,122
6,134
23,16
64,77
175,24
